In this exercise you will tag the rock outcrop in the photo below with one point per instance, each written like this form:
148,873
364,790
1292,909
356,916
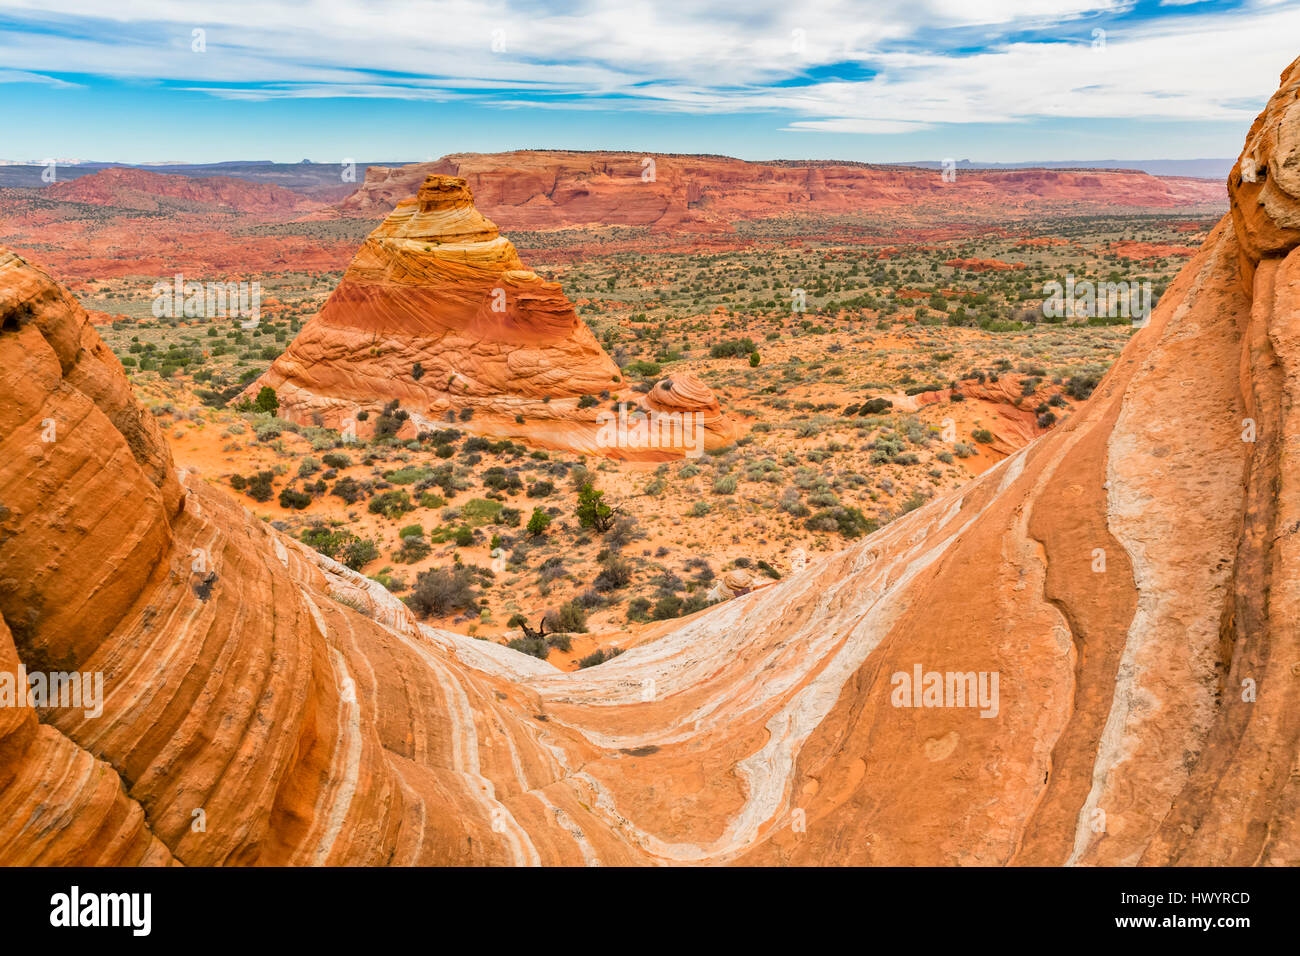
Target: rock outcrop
438,313
1109,615
1001,408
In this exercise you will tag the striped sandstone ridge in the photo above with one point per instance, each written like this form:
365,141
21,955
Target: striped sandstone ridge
1131,577
438,313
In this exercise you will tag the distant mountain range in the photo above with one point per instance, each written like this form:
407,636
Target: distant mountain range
1195,168
328,180
316,179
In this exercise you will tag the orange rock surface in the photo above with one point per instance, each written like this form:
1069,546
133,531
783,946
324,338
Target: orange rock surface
1012,425
1130,578
438,313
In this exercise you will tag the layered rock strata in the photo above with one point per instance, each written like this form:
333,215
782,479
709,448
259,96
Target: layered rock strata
438,313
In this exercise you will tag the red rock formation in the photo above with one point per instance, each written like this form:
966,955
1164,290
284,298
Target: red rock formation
548,189
1152,250
438,313
1130,579
984,265
129,188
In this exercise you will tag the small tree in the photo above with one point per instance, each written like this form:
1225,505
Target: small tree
754,359
267,400
592,511
538,523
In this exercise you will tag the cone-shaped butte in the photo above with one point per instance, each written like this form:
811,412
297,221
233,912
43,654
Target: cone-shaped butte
437,312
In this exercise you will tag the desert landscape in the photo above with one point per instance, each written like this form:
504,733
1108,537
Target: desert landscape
886,374
607,508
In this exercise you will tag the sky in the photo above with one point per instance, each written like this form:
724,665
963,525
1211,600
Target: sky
869,80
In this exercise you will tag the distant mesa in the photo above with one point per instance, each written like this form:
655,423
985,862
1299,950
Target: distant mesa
438,313
548,189
128,188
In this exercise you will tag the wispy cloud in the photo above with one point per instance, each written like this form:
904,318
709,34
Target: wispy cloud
912,64
23,76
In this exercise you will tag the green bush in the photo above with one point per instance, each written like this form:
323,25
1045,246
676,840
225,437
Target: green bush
592,512
409,475
614,573
359,552
847,520
296,500
328,541
600,656
569,619
643,368
733,348
349,489
267,400
480,511
391,504
538,523
259,486
442,590
534,646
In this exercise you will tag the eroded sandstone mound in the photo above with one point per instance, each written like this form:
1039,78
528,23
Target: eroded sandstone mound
1122,594
438,313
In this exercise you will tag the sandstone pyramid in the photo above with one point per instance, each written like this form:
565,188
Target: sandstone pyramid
438,313
1130,579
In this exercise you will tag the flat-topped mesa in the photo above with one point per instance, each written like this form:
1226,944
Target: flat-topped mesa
438,313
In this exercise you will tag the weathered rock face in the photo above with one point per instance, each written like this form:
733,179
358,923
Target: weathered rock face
438,313
1122,594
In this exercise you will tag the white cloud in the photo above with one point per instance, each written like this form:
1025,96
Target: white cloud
676,55
23,76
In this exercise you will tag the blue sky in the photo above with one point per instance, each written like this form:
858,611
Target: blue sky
892,80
